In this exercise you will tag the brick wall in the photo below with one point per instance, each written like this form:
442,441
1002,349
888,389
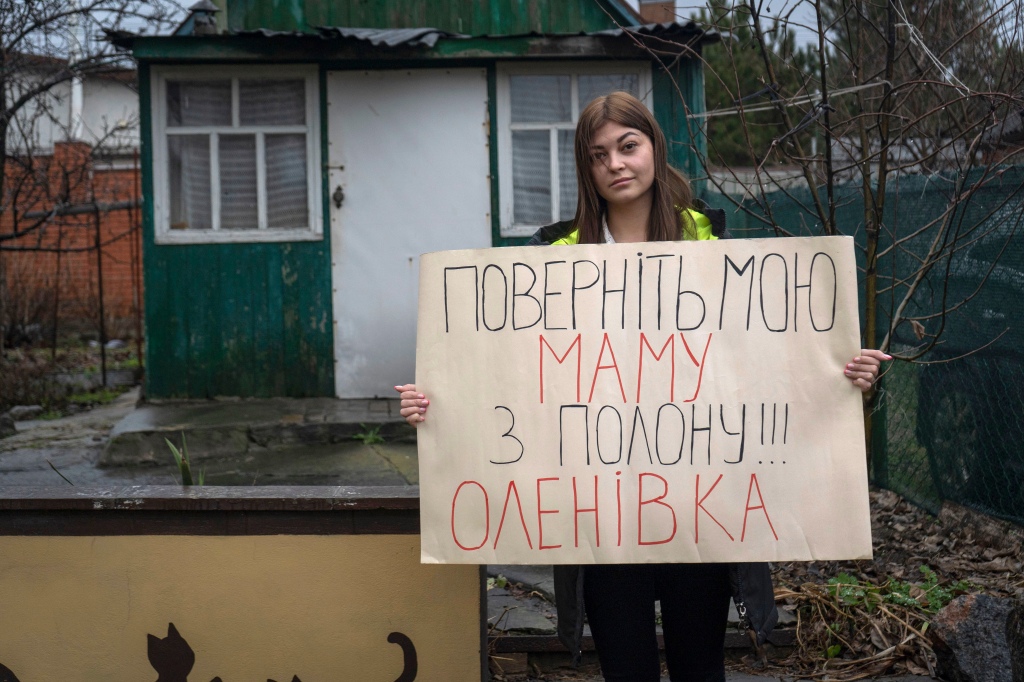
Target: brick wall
60,265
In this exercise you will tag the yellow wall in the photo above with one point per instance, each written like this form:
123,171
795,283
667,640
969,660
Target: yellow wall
250,607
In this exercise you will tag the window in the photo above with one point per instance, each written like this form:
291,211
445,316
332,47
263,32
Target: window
236,157
538,107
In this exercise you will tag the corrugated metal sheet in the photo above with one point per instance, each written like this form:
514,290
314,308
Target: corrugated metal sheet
378,37
471,17
428,37
667,31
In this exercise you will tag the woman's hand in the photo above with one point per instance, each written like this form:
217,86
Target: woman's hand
414,404
863,369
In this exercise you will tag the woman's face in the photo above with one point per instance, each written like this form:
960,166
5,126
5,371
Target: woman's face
622,163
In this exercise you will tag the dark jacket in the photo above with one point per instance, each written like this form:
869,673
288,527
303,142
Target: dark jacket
751,583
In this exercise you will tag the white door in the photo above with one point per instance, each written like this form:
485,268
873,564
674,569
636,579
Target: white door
409,150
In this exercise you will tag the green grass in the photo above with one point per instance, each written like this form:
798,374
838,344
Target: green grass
103,396
370,435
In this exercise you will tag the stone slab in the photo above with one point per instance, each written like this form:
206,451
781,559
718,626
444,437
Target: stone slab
506,613
536,578
217,429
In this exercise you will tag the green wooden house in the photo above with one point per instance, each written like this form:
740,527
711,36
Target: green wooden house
298,157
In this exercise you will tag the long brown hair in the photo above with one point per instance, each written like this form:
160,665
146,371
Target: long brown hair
671,191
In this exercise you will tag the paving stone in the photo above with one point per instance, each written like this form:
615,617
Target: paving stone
7,427
507,614
539,578
403,457
23,412
224,428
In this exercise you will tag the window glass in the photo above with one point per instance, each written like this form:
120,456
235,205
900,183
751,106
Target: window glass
272,102
238,198
542,116
602,84
189,169
198,103
287,205
541,99
235,149
531,176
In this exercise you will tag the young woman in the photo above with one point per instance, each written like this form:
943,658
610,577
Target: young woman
628,193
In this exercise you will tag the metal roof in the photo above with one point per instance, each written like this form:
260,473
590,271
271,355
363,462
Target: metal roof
661,39
428,37
378,37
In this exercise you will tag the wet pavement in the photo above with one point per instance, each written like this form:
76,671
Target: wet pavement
233,442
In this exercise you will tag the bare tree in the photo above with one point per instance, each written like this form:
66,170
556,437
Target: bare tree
894,90
47,49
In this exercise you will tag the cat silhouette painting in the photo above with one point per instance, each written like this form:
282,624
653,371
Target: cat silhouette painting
6,675
173,658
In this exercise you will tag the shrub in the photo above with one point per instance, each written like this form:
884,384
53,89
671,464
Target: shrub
25,380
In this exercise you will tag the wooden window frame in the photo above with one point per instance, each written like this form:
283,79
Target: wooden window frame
161,179
508,228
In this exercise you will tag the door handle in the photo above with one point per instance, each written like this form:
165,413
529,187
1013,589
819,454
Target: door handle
338,196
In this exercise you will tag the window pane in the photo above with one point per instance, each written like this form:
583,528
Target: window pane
190,181
595,86
531,177
287,195
238,202
566,175
541,99
272,102
199,103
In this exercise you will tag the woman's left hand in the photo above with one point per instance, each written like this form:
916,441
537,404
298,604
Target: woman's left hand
863,369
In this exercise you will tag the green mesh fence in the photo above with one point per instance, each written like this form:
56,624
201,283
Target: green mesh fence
949,425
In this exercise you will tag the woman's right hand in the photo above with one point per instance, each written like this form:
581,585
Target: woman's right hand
414,404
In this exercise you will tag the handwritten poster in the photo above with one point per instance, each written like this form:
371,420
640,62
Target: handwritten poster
632,403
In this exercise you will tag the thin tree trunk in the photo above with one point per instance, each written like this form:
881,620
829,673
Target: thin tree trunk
874,215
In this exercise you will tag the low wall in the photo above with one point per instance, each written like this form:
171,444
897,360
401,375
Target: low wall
127,584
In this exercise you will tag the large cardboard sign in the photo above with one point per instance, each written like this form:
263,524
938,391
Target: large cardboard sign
655,402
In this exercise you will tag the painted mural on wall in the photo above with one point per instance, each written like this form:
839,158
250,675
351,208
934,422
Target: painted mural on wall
278,608
173,658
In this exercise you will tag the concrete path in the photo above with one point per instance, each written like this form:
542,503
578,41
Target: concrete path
279,446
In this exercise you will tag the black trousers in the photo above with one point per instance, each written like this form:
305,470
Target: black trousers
619,601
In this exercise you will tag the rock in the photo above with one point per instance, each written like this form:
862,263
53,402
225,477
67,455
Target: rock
20,413
1015,638
7,426
969,637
